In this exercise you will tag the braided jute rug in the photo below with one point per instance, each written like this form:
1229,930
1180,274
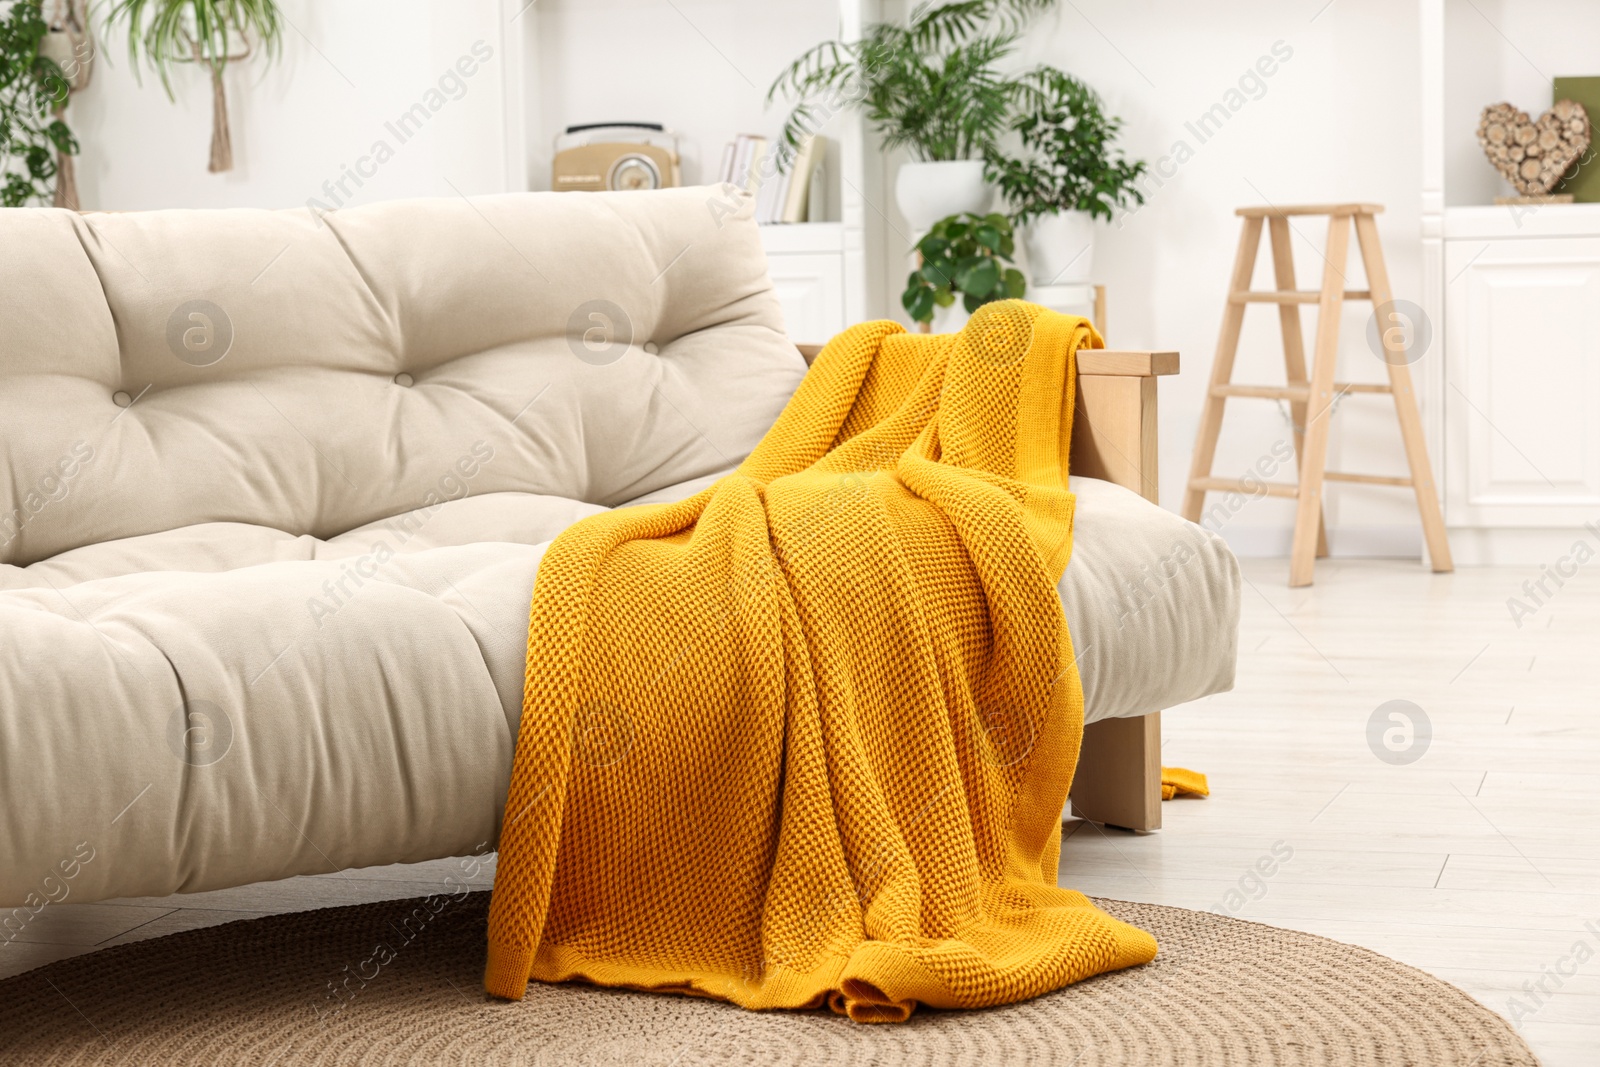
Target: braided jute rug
262,992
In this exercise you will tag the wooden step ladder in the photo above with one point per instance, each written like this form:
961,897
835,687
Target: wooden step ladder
1311,400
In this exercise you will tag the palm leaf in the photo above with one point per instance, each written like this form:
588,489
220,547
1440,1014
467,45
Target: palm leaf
931,86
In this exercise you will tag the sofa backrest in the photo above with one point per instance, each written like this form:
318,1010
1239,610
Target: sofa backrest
313,374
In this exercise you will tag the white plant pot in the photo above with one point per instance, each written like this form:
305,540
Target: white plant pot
950,319
1060,249
928,192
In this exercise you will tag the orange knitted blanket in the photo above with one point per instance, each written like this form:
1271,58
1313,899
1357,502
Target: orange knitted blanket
805,737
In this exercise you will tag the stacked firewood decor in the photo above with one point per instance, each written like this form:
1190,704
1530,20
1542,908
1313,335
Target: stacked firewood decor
1534,154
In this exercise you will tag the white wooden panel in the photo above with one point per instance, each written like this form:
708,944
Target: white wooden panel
811,289
784,238
1522,221
1522,388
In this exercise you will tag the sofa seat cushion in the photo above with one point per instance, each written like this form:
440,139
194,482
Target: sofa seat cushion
226,703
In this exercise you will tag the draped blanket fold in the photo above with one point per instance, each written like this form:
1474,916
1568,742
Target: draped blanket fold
805,737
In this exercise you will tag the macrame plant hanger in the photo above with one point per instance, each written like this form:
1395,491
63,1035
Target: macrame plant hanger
221,133
72,48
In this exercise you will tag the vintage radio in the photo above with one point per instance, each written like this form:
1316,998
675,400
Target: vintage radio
615,155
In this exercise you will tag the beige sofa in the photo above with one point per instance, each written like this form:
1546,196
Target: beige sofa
274,490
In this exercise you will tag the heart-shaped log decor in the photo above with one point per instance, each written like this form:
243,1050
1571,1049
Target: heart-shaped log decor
1534,155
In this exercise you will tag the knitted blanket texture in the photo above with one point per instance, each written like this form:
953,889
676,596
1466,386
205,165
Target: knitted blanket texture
804,738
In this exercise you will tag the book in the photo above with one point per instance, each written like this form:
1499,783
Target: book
748,152
801,167
1583,180
741,160
780,195
817,195
752,174
769,199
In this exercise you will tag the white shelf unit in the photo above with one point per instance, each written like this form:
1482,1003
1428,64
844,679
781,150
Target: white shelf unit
1512,384
708,66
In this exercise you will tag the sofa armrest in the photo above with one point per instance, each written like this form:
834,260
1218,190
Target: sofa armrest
1118,782
1133,363
1090,361
1114,430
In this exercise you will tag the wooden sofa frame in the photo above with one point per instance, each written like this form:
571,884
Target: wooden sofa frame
1118,782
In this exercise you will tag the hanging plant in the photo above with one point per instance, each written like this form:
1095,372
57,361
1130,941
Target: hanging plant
213,32
32,90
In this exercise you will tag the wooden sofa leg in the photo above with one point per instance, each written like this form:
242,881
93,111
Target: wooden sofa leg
1119,773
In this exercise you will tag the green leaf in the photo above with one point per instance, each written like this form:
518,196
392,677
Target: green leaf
31,88
989,237
1069,159
983,279
921,307
1016,285
940,84
944,298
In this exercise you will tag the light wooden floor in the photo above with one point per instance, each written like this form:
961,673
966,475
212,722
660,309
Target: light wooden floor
1478,862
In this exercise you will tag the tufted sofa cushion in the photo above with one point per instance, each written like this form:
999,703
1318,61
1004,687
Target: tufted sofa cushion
315,374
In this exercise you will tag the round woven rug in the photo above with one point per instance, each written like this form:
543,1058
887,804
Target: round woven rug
398,982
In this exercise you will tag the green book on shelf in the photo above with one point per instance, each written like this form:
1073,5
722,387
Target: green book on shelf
1583,181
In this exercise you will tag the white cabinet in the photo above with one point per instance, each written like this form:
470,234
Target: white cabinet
807,265
810,287
1521,395
1512,291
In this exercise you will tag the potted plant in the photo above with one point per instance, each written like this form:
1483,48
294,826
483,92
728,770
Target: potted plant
931,86
969,255
32,91
1069,174
213,32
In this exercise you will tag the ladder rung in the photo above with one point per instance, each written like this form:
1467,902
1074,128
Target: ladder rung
1365,479
1279,211
1268,392
1292,296
1234,485
1295,392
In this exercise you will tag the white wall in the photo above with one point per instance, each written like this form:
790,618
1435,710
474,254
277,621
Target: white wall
1338,120
346,70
